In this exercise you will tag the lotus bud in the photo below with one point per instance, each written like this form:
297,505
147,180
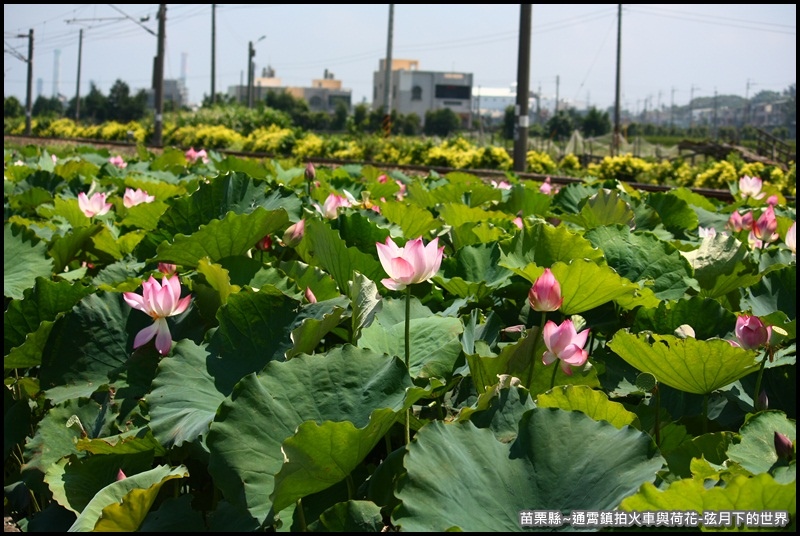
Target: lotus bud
310,296
264,244
311,172
121,475
752,332
294,234
783,447
763,401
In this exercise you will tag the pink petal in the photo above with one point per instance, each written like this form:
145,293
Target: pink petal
163,337
145,335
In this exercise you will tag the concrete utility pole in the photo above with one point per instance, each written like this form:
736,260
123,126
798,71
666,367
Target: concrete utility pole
29,91
251,69
387,77
213,100
158,79
78,85
523,89
691,105
615,143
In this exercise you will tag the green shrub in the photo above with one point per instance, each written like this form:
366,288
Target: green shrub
540,163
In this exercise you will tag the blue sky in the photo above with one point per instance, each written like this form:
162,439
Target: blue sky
669,51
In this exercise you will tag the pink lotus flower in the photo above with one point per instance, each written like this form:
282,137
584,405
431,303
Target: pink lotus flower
94,206
784,447
294,234
791,237
739,222
518,222
310,295
159,301
118,162
330,208
137,197
706,232
121,475
765,226
193,156
167,268
264,244
545,294
752,332
413,263
502,185
310,172
772,200
751,187
565,344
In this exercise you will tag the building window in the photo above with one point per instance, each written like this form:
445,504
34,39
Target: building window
453,92
416,93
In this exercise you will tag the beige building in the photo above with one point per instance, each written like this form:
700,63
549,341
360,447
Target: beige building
323,95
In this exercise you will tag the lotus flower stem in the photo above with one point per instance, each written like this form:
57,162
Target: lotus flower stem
705,413
759,377
301,517
553,377
539,336
657,394
408,357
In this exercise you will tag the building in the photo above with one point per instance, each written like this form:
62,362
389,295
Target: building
324,94
175,92
418,92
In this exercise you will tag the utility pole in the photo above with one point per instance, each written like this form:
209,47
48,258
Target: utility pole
387,77
672,108
159,76
213,54
78,85
747,103
558,80
523,91
250,54
617,127
29,90
691,105
716,131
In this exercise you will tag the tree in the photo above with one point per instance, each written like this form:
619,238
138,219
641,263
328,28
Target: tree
509,119
339,116
12,107
596,123
441,122
560,126
93,107
44,106
122,107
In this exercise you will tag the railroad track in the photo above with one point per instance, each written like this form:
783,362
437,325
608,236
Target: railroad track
127,148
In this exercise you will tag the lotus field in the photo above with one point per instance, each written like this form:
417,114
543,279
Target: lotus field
198,342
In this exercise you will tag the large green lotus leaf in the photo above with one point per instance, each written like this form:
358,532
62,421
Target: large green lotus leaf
474,271
68,210
64,249
470,234
676,214
586,285
24,259
499,410
121,276
458,214
89,343
528,201
187,390
359,231
709,447
316,320
318,456
412,219
123,505
775,291
643,257
27,322
144,215
592,402
245,438
434,340
544,245
756,451
298,277
350,516
365,302
722,263
756,494
107,244
706,316
175,515
255,327
460,477
27,201
54,439
233,235
17,421
232,192
605,208
324,247
75,481
156,187
690,365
